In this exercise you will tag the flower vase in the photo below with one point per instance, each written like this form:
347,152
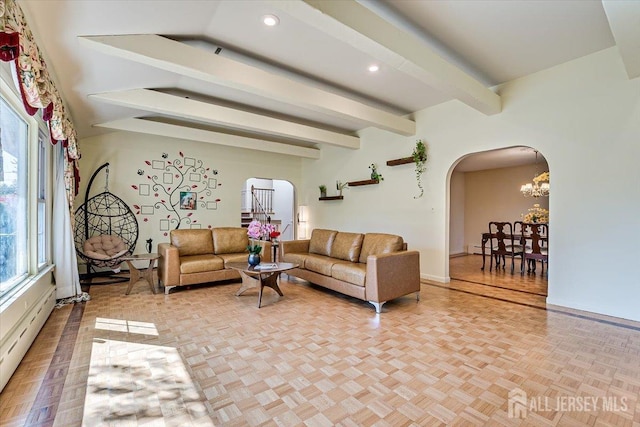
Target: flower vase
254,259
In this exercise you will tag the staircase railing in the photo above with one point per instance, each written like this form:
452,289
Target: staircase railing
262,203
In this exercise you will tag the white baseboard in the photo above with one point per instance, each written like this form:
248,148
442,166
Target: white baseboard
440,279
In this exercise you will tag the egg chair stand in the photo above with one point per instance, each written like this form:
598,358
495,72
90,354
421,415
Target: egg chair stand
106,231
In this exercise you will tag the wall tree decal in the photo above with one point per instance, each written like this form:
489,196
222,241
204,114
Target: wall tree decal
165,184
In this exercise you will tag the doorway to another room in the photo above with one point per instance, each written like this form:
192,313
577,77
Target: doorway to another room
269,200
490,186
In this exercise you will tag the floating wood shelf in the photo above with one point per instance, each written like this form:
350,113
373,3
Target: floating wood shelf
365,182
403,161
331,198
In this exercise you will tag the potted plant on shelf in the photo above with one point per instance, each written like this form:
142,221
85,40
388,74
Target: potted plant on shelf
374,172
420,158
341,186
323,190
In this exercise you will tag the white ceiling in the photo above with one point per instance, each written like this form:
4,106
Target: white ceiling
304,83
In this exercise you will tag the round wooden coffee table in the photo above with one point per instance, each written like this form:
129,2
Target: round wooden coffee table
253,277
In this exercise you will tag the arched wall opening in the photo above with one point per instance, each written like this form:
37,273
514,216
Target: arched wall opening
280,208
486,186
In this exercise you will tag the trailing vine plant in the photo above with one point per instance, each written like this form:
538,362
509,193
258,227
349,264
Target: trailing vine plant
420,158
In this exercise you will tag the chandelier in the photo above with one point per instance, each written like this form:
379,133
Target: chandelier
539,187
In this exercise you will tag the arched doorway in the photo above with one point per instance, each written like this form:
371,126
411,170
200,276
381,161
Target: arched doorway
486,187
272,198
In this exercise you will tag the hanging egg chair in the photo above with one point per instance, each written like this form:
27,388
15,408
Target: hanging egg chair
106,230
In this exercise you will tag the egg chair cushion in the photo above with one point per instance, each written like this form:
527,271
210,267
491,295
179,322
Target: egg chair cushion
105,247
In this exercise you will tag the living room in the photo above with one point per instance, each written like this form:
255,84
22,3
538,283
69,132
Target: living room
583,113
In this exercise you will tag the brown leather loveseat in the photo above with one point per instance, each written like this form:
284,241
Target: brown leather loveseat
201,256
373,267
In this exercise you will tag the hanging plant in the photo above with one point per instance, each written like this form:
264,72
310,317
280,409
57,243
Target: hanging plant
420,158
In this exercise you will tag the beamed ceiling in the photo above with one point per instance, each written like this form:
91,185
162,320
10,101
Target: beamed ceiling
211,71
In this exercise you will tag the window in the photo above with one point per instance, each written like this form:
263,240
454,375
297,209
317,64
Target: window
14,140
25,187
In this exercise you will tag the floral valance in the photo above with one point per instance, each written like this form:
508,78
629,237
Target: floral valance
37,89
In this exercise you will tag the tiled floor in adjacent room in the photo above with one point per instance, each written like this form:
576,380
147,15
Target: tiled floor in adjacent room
204,357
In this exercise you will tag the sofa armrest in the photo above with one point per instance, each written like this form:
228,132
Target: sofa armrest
168,264
392,275
294,247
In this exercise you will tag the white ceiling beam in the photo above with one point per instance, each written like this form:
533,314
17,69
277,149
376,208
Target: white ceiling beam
358,26
624,21
176,106
193,134
186,60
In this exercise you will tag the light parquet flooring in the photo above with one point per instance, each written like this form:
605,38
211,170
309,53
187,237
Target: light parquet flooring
466,276
204,356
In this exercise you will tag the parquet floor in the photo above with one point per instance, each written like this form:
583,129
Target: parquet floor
205,357
528,289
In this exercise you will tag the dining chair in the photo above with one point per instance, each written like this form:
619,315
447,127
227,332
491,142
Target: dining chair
503,244
537,235
518,235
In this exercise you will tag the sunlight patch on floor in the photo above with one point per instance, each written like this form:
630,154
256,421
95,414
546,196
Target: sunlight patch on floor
129,326
134,384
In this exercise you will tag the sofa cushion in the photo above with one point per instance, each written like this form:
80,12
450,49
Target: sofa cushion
230,240
321,241
319,263
379,243
200,263
351,272
227,258
346,246
192,242
295,258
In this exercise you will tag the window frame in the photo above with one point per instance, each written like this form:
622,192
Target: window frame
35,126
43,195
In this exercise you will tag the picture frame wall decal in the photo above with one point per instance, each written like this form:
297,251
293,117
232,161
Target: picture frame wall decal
188,200
178,187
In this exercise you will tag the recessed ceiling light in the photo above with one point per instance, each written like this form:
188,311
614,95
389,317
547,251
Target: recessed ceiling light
373,68
270,20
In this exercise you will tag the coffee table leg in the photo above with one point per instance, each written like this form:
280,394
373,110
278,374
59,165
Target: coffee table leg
270,281
149,276
134,276
248,282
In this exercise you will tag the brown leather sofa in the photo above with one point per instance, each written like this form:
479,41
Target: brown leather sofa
200,256
373,267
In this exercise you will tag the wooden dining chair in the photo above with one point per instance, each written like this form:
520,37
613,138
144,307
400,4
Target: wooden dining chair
536,236
503,244
518,232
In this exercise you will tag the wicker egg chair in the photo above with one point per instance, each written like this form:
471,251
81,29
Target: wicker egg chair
106,230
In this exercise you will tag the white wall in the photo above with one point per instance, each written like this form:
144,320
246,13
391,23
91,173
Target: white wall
128,152
584,116
457,214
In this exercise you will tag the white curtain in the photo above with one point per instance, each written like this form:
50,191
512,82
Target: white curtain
64,251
